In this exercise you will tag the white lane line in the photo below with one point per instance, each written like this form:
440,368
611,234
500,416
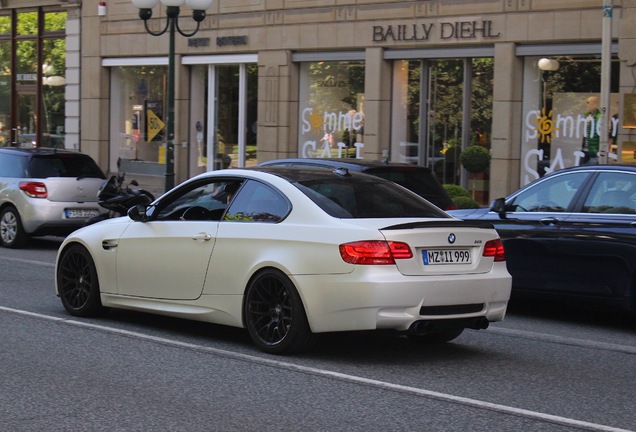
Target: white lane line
27,261
604,346
330,374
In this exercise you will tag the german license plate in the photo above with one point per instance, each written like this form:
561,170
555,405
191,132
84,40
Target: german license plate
446,256
80,213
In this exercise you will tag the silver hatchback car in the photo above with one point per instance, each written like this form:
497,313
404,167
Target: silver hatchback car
45,192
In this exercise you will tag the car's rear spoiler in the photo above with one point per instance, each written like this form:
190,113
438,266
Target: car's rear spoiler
446,223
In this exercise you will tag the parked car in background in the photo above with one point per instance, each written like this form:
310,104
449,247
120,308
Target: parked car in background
48,141
416,178
571,233
289,252
45,192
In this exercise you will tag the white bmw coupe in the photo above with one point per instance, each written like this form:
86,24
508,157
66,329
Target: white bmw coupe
288,253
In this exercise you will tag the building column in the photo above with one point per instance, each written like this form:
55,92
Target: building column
377,111
277,106
506,119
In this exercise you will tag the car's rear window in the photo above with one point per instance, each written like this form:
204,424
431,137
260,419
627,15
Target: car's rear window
63,165
361,197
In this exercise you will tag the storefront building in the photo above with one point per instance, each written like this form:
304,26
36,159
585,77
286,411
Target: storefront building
39,74
409,81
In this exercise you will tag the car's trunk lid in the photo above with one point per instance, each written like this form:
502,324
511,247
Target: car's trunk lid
445,246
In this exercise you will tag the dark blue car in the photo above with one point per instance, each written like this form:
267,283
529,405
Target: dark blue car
571,233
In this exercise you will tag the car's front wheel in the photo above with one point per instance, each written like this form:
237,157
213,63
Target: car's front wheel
12,234
275,316
77,282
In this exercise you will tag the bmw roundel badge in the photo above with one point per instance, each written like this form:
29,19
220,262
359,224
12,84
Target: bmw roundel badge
451,238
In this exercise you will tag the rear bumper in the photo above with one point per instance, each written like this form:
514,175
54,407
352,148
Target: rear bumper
44,217
382,298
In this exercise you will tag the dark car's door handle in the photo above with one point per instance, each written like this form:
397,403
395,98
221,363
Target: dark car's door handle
549,221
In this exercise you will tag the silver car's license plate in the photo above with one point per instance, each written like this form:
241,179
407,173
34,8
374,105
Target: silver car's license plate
80,213
446,256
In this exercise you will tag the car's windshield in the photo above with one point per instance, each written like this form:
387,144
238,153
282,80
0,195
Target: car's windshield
366,197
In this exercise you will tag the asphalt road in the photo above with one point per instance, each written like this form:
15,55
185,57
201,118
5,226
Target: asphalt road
545,368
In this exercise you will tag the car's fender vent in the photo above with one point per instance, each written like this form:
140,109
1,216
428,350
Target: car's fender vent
452,309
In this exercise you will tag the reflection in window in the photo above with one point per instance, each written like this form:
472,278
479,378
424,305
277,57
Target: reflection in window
331,109
612,193
256,202
551,195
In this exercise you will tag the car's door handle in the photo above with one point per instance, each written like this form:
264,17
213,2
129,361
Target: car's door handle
202,236
109,244
549,221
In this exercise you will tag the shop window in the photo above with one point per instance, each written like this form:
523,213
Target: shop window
331,109
138,115
561,124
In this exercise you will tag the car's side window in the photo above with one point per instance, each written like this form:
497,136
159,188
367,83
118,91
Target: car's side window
612,192
257,202
206,201
552,195
12,166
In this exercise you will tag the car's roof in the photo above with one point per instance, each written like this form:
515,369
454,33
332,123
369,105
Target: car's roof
38,151
351,164
608,167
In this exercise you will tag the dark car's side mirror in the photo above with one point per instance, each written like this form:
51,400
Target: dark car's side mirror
141,212
499,206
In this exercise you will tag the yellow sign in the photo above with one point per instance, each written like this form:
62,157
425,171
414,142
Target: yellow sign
155,124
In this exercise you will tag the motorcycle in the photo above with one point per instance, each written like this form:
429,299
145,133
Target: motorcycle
117,197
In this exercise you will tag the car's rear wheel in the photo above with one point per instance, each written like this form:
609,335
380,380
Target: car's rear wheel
77,282
438,337
275,316
12,234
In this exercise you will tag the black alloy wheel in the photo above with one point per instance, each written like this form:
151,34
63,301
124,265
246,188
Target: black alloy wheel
77,282
274,315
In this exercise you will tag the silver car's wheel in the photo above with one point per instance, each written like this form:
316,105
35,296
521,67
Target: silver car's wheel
275,316
12,234
77,282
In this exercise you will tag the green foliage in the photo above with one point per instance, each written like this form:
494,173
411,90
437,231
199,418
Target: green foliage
455,191
465,202
475,159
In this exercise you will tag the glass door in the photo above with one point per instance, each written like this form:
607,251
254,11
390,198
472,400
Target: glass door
224,136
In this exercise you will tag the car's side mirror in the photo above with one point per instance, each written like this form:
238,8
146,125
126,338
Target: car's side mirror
141,212
499,206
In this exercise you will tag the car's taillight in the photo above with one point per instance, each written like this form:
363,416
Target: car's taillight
450,207
34,189
495,248
374,252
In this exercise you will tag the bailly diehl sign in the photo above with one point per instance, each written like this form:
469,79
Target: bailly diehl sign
424,32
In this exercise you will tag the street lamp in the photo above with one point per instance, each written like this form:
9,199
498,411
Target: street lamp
172,24
546,65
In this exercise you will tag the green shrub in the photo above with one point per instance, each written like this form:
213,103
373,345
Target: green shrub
465,202
475,159
454,190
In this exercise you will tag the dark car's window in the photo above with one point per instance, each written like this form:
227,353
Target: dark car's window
63,165
12,166
366,197
550,195
612,192
418,180
257,202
